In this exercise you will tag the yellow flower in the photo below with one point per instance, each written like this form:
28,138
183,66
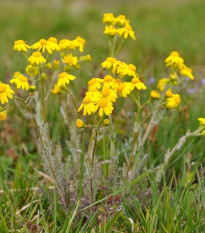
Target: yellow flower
42,45
121,19
109,81
187,72
5,92
21,81
88,105
109,94
53,44
70,60
79,123
3,115
108,18
64,78
155,94
108,63
21,46
79,43
36,58
138,84
173,101
111,30
169,93
174,60
56,89
95,82
124,69
31,70
124,88
127,31
201,121
105,106
66,44
162,84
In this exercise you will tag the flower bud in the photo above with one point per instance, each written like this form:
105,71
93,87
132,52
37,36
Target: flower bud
43,76
106,122
47,65
79,123
56,64
3,115
32,88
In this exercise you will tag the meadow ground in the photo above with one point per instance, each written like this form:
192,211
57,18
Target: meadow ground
159,197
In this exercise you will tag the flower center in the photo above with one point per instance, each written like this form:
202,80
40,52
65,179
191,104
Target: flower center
102,103
106,92
108,78
135,80
86,100
68,59
128,28
22,78
121,86
43,42
2,87
62,75
36,54
132,67
19,42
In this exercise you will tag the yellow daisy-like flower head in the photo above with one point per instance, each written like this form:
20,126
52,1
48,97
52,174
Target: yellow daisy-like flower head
95,82
42,45
70,60
138,84
111,30
21,81
53,44
36,58
173,101
127,31
21,46
109,94
66,44
105,106
64,78
109,81
124,88
31,70
108,18
201,121
3,115
79,123
174,60
162,84
130,70
5,92
79,43
155,94
88,106
121,19
108,63
187,72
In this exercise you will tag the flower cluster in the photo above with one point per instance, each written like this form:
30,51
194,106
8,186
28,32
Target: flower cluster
118,26
102,93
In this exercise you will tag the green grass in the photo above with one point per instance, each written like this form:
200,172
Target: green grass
177,203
